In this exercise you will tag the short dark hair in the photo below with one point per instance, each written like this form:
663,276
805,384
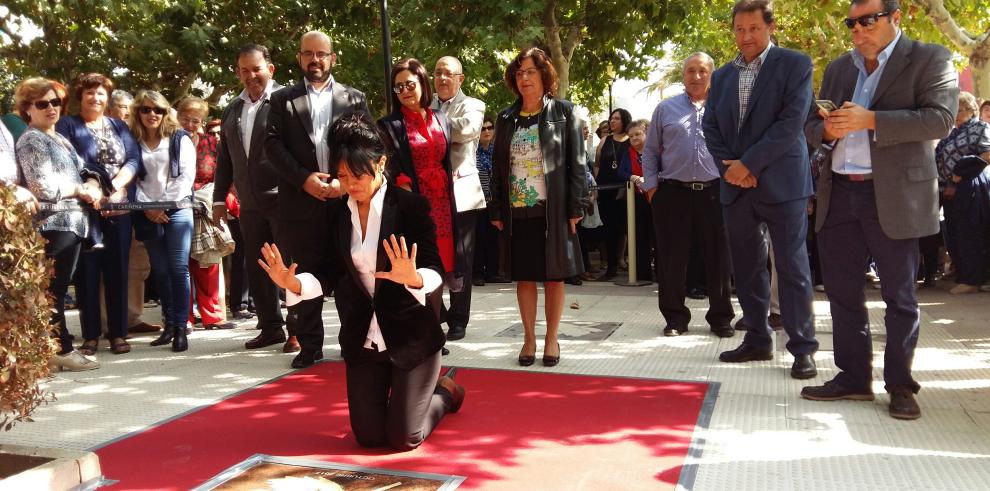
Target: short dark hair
543,63
747,6
252,48
89,81
415,67
888,5
356,141
624,115
985,104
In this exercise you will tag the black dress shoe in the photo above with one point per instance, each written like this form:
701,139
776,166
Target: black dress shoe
498,279
456,332
697,293
306,358
902,403
574,280
219,325
242,314
165,337
671,331
746,352
478,282
741,325
723,331
265,339
803,367
180,343
834,391
775,323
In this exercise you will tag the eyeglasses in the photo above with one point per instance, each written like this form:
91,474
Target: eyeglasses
157,110
439,74
42,105
193,121
868,20
404,86
487,128
527,73
319,55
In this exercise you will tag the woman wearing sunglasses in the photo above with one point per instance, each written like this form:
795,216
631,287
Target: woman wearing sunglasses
51,171
107,146
419,143
170,161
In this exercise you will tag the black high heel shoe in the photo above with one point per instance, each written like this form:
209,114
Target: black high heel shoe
552,361
527,360
179,342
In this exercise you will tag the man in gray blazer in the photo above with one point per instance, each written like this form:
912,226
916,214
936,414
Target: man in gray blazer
466,117
242,161
877,193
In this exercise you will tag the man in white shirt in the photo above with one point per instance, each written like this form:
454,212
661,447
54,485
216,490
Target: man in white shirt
243,163
296,144
466,117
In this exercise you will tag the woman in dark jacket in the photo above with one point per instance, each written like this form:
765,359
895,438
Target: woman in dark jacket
387,291
104,143
538,194
418,140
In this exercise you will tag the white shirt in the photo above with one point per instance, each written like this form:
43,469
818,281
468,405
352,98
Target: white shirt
321,111
8,156
249,112
364,254
159,185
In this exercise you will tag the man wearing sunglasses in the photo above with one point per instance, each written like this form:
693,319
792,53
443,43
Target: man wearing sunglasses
297,144
878,192
466,116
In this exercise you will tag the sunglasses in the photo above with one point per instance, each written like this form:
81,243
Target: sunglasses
148,110
868,20
487,128
42,105
402,87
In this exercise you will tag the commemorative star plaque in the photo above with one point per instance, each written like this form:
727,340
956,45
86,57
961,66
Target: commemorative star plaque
267,472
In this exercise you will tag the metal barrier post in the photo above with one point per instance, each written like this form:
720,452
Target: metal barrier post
631,238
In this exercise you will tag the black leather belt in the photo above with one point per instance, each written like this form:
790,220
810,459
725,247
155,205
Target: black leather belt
853,177
694,186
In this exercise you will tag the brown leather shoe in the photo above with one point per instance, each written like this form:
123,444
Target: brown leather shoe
265,339
456,392
119,346
902,404
144,327
291,345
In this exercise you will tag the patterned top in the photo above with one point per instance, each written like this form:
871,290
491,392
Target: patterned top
970,138
428,147
527,182
110,151
50,167
206,160
483,160
747,77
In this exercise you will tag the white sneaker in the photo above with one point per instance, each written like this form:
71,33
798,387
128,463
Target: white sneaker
74,361
963,288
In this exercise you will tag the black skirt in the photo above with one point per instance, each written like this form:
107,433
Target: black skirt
528,249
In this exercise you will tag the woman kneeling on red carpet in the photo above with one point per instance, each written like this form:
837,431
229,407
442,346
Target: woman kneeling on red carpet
385,271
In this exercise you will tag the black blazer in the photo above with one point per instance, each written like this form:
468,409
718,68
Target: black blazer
289,144
411,331
400,162
254,175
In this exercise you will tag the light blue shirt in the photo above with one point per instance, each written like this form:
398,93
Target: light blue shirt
321,111
852,153
675,144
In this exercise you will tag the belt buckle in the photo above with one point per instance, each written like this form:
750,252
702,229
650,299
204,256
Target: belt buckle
697,186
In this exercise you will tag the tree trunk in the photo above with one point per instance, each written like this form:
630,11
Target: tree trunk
979,62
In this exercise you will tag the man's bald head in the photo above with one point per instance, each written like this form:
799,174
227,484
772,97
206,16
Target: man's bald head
448,77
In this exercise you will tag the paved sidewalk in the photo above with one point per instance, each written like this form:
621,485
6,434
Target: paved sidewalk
762,435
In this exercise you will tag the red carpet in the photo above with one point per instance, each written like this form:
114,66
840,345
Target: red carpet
517,430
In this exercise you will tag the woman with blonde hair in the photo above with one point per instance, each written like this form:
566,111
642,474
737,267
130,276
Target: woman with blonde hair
170,162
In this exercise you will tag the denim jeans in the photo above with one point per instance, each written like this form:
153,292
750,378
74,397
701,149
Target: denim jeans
169,257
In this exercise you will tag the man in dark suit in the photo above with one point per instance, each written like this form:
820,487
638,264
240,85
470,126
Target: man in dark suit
878,193
297,145
243,162
752,123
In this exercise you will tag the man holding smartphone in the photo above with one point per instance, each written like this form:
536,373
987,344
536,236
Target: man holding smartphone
878,194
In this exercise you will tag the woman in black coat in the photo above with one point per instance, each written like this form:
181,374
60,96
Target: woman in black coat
385,272
538,194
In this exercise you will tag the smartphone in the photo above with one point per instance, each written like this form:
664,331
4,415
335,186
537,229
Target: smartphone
826,105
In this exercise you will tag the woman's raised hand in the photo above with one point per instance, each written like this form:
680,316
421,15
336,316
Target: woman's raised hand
282,276
403,263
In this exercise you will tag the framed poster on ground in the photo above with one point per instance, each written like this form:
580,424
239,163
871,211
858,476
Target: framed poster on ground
267,472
